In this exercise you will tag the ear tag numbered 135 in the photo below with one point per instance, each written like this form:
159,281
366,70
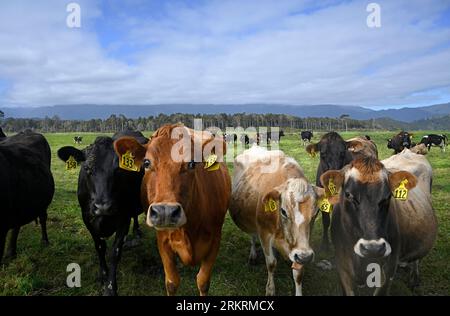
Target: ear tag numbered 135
127,162
401,193
211,163
270,206
71,163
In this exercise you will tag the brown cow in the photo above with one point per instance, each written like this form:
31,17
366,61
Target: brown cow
261,177
362,147
186,202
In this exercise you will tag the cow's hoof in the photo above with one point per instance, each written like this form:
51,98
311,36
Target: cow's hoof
253,260
45,243
325,265
109,291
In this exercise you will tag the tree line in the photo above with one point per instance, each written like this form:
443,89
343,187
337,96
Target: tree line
120,122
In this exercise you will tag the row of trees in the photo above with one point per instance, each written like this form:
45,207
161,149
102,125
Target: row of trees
120,122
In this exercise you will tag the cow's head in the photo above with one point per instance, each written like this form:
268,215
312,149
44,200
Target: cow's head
100,169
405,139
333,153
365,194
295,210
171,171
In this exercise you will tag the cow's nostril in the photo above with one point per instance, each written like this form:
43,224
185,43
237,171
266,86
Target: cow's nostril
176,213
153,213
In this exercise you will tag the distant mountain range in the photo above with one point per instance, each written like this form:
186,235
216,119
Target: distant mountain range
86,111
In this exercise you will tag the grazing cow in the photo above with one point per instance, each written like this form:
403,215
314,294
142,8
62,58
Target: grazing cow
109,197
382,217
26,186
78,139
435,140
2,135
187,199
262,177
306,136
400,141
333,155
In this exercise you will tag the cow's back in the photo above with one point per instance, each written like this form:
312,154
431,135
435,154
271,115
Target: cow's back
416,218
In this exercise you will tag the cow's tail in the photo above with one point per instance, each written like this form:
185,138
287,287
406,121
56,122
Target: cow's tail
445,139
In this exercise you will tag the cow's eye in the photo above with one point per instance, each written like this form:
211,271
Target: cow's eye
147,163
351,198
283,213
191,164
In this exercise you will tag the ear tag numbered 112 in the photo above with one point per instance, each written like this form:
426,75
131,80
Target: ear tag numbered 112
71,163
270,206
211,163
401,193
127,162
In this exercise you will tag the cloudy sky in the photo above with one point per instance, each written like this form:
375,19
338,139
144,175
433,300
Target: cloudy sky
243,51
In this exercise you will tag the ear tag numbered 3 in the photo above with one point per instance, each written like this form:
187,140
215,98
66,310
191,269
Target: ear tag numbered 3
71,163
401,193
270,206
324,205
127,162
332,188
211,163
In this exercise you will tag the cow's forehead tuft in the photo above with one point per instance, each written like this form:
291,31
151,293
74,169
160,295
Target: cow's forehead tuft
366,170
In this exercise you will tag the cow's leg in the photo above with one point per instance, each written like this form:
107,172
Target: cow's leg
100,247
344,269
43,222
12,247
325,245
116,254
388,276
204,275
253,254
271,263
298,277
2,243
414,278
136,229
172,277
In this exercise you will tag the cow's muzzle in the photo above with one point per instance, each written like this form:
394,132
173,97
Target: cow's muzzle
301,257
375,248
166,215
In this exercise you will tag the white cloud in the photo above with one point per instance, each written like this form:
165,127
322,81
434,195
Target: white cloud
226,52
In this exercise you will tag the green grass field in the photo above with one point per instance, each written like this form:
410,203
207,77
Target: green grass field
39,270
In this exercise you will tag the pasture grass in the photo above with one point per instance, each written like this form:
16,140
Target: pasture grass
40,270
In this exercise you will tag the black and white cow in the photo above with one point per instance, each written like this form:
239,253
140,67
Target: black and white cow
78,139
435,140
306,136
109,197
26,186
400,141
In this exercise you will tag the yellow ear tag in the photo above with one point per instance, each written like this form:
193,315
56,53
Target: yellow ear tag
401,193
211,163
324,205
312,154
126,162
270,206
332,187
71,163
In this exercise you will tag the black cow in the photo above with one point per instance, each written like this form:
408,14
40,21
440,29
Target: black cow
109,197
26,186
333,155
400,141
78,139
306,136
435,140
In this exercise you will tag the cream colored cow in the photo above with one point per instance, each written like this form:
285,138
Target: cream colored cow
272,199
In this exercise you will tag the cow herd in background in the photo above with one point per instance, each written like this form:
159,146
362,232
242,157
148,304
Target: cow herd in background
381,210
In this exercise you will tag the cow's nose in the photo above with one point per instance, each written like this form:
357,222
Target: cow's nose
373,250
165,214
303,258
102,207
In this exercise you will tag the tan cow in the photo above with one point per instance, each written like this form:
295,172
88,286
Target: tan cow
271,198
186,201
362,147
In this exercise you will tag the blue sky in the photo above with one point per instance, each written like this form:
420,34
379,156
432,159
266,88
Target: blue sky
223,51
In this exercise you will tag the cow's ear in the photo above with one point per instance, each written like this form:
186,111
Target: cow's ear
217,146
396,178
320,192
332,182
312,149
354,145
65,152
129,144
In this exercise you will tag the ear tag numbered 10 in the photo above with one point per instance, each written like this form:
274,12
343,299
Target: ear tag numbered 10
401,193
211,163
332,188
324,205
127,162
71,163
270,206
